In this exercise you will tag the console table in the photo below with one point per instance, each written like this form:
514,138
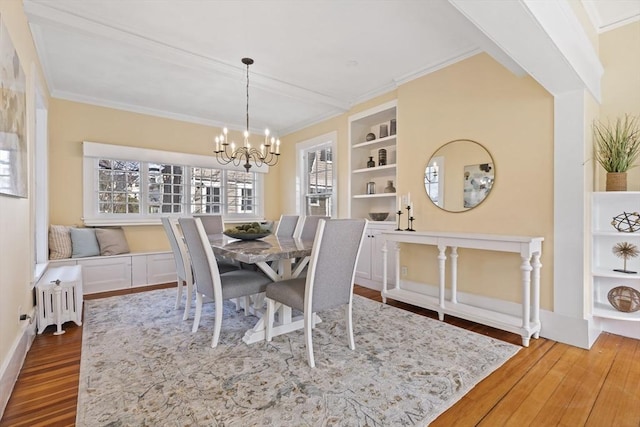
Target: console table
529,248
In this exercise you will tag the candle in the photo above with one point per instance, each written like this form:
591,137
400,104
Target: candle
408,199
411,209
262,150
278,146
400,203
217,144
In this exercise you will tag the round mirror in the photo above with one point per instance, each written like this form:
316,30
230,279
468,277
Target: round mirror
459,175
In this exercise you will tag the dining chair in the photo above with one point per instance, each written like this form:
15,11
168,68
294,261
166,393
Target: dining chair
209,283
287,225
213,224
183,264
307,232
309,226
329,282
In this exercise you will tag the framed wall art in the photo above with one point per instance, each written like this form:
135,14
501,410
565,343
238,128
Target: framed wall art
13,106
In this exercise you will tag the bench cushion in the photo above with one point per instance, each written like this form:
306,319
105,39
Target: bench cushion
59,242
112,241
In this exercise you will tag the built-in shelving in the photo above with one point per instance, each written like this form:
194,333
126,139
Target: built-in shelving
607,205
360,125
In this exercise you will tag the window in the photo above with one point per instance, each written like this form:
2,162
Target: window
432,181
139,191
317,175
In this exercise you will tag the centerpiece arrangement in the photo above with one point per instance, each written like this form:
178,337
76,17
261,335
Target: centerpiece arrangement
251,231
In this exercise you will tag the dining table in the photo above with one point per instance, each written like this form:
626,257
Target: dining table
276,257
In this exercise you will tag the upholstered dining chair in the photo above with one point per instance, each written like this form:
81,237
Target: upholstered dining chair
183,264
307,232
287,225
213,224
329,281
209,283
309,226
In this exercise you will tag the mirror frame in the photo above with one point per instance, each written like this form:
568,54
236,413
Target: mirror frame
436,165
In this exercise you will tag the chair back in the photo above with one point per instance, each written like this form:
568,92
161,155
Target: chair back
287,225
178,247
310,225
212,224
332,267
203,261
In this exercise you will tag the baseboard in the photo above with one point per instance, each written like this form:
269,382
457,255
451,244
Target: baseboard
619,327
15,359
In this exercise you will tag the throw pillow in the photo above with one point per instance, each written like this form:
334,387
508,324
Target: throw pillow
84,242
112,241
59,242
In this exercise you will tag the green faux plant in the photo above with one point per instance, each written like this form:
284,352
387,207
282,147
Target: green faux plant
617,146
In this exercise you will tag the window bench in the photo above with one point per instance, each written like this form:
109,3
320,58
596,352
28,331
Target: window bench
115,272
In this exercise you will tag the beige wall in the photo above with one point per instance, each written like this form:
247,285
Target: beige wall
72,122
16,214
512,117
620,56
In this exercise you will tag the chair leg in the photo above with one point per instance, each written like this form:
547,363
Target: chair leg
187,303
196,319
179,293
308,323
218,323
268,327
348,314
247,305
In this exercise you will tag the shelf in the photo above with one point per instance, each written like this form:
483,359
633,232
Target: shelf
617,234
375,169
375,142
601,272
605,310
373,196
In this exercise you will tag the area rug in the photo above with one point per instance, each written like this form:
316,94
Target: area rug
142,366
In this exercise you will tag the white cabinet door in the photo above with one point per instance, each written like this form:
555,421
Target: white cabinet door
369,268
106,273
161,268
363,268
377,260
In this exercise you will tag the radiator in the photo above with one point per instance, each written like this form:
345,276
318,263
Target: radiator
59,297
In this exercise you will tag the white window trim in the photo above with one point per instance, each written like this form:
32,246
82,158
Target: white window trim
93,151
304,146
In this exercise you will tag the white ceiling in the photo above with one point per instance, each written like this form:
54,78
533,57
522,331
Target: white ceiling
313,59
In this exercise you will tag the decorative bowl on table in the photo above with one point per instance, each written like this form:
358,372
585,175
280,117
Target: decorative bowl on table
251,231
378,216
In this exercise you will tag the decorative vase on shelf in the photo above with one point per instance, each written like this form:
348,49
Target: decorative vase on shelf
384,131
389,188
616,181
382,157
392,125
371,187
371,163
370,137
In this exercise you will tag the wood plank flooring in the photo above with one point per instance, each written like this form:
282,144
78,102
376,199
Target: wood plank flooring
546,384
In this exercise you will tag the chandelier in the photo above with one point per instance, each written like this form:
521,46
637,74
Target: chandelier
266,154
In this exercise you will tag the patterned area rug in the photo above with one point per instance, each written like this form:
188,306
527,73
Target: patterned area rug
141,366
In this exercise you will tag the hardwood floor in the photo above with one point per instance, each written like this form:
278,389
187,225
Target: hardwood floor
546,384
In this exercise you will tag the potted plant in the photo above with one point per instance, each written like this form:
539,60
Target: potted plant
617,147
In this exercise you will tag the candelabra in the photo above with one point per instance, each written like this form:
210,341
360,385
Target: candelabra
409,219
399,213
